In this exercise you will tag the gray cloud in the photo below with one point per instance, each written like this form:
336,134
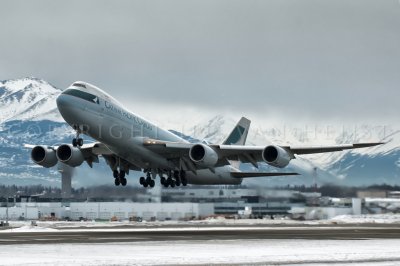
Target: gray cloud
304,59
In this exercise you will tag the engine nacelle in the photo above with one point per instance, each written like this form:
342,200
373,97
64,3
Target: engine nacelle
44,156
276,156
203,155
70,155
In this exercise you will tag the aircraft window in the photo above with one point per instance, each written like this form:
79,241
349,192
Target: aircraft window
83,95
79,85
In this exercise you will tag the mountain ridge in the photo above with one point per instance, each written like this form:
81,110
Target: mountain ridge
28,99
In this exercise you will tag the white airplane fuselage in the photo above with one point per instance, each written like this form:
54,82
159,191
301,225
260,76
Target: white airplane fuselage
104,119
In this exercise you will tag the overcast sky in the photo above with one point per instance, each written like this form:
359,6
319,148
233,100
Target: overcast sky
293,60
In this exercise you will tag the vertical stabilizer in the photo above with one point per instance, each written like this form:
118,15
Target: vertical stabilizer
238,135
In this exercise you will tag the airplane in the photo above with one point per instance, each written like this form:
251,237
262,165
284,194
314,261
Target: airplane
128,142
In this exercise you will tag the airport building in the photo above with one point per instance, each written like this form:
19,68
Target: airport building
107,211
231,201
199,202
328,208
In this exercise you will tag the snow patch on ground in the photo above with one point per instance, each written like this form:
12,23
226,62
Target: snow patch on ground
268,252
219,221
367,219
29,228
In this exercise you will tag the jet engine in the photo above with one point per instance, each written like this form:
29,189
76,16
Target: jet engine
70,155
203,155
276,156
44,156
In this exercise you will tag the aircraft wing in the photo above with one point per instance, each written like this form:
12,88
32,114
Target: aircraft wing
322,149
245,154
90,151
95,148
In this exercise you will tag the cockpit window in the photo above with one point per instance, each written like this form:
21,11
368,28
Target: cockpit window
79,85
83,95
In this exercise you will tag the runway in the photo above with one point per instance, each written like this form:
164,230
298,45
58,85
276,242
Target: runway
129,234
367,244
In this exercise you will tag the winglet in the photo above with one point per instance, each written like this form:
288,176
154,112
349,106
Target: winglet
365,145
238,135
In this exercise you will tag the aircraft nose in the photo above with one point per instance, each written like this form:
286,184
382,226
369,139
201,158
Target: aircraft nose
66,105
61,102
68,109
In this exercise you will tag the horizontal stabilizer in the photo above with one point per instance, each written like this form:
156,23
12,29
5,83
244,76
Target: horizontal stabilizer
258,174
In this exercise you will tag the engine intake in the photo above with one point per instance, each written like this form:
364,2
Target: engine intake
276,156
44,156
203,155
70,155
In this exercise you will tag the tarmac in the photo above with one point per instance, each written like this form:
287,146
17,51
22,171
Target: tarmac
129,234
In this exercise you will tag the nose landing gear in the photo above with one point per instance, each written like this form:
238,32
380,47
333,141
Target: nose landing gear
77,141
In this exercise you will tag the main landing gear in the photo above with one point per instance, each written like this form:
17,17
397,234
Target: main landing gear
119,178
175,178
148,181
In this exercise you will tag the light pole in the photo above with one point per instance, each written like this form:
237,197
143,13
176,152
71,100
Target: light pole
7,211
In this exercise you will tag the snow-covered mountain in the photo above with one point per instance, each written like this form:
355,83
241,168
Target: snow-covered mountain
375,165
28,114
28,99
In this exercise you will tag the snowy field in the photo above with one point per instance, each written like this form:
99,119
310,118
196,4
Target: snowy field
263,252
207,252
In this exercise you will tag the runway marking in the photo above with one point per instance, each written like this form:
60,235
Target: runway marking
47,239
200,234
119,238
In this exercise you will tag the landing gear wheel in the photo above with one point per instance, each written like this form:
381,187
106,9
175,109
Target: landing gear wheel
77,142
152,183
148,179
178,182
115,174
163,180
123,181
80,142
184,182
169,181
142,180
117,181
122,174
176,174
145,184
182,176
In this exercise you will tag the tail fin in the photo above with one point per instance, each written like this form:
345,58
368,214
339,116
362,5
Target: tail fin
238,135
